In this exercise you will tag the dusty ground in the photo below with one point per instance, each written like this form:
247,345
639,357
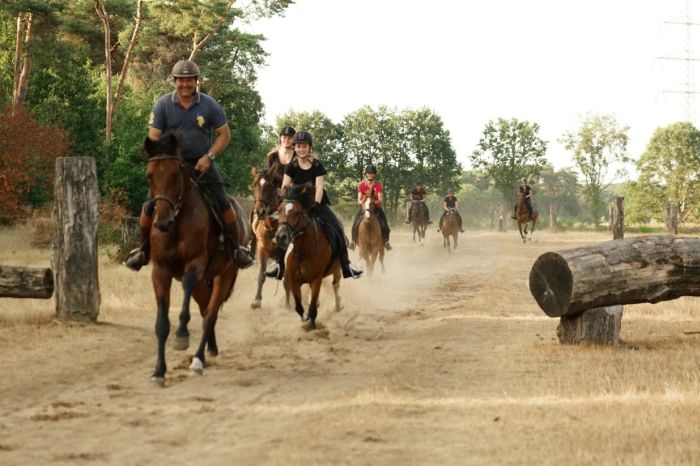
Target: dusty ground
442,360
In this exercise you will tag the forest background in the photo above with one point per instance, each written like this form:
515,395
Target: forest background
80,78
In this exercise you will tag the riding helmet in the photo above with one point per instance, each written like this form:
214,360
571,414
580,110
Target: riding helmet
450,191
288,131
303,136
371,169
419,183
185,69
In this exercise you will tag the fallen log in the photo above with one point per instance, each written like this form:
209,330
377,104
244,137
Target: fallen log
25,282
644,269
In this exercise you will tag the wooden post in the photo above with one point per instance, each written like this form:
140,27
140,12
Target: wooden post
492,215
501,220
600,325
74,263
672,218
131,230
617,217
553,211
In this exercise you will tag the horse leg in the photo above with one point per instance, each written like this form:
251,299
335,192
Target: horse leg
336,287
296,293
261,280
313,304
161,284
202,295
455,239
182,334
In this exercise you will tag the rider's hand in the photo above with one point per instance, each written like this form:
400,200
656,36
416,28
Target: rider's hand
203,164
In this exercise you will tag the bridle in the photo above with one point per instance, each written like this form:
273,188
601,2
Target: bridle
271,201
304,223
177,204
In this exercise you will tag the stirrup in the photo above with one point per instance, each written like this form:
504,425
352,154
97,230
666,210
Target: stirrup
275,273
354,273
135,259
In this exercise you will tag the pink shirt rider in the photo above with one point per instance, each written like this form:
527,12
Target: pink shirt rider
364,187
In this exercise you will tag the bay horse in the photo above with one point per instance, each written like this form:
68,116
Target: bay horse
522,218
369,236
418,220
186,246
309,254
449,227
267,202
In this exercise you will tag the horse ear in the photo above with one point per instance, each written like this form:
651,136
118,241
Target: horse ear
149,147
254,170
169,142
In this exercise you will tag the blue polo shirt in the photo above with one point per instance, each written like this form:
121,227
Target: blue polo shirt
195,126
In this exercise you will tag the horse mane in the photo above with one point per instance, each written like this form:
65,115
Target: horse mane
168,144
301,193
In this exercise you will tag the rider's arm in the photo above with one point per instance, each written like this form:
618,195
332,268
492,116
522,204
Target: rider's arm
154,133
378,201
286,183
444,206
359,197
319,189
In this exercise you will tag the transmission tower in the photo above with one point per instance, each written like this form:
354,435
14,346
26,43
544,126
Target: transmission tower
688,90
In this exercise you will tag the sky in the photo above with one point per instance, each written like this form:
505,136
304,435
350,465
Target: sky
549,62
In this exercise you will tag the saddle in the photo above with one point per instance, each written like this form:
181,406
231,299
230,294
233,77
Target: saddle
334,239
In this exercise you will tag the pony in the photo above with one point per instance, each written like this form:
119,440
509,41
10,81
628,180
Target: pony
267,201
186,246
523,217
369,237
309,252
449,227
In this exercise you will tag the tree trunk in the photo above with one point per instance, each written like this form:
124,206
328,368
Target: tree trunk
645,269
104,17
25,282
617,217
76,200
127,57
23,61
672,218
553,211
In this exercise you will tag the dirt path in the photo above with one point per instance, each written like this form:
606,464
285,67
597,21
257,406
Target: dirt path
442,360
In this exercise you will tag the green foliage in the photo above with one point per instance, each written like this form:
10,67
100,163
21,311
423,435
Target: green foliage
508,151
597,147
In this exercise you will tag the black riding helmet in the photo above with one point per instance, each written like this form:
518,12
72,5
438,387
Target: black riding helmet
371,169
303,136
288,131
185,69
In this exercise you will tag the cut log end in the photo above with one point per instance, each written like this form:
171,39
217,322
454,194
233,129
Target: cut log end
551,284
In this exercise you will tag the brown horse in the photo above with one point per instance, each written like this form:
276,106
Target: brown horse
186,246
522,218
449,227
369,236
267,202
418,220
309,255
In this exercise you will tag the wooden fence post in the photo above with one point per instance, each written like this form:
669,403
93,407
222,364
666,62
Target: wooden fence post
553,211
672,218
617,217
74,259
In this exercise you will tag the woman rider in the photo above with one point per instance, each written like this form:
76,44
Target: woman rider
365,187
308,169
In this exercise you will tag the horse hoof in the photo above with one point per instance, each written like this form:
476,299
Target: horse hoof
181,343
309,326
159,381
255,304
197,367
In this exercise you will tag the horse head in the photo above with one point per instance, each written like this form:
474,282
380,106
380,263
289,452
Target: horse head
167,181
368,204
294,214
264,193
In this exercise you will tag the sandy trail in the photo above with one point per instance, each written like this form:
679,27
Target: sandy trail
445,359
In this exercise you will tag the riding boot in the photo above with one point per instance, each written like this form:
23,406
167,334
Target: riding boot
355,230
278,271
241,255
515,212
459,222
139,257
408,220
348,269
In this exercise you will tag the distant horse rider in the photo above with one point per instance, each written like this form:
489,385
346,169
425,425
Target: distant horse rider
450,202
528,193
418,193
366,186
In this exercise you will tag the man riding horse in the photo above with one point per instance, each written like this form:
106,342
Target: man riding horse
450,202
418,195
365,188
195,117
527,194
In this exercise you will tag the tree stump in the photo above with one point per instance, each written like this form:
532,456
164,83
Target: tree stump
600,325
76,201
644,269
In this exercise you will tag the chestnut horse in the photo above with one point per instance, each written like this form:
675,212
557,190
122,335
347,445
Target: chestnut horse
186,246
418,220
522,218
267,202
369,236
449,227
309,255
